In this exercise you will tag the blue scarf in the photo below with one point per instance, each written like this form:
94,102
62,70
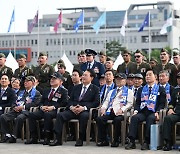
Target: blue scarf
20,101
103,89
147,99
168,96
113,95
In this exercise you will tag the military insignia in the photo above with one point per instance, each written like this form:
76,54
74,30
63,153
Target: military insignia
46,70
143,70
54,99
4,71
58,95
24,73
169,71
96,70
65,79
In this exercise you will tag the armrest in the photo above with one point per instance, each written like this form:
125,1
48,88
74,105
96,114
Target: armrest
61,109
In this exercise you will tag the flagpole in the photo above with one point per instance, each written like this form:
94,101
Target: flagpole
61,34
14,36
38,33
171,36
149,34
83,31
105,32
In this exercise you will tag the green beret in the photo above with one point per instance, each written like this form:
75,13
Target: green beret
22,56
42,54
2,55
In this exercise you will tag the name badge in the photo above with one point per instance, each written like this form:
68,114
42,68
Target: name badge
4,98
152,97
54,99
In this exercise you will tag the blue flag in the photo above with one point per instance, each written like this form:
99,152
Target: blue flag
79,22
145,23
100,22
12,20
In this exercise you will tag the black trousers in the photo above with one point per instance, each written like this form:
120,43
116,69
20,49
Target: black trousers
102,126
145,115
68,115
48,121
169,122
17,117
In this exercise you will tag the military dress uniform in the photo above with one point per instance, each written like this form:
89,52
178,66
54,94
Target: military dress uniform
6,71
22,74
44,74
127,68
172,70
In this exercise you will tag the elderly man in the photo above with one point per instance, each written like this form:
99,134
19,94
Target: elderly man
150,99
83,97
52,99
28,98
117,101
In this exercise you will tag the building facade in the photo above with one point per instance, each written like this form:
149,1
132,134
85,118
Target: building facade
66,40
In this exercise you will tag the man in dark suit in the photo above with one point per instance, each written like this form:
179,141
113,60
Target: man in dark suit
98,68
150,100
28,98
8,95
173,116
52,99
83,97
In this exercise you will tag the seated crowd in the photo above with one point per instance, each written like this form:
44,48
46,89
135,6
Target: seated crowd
48,100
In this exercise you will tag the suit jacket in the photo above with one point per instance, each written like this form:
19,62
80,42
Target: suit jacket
175,101
27,104
116,105
98,68
91,98
8,98
60,98
160,102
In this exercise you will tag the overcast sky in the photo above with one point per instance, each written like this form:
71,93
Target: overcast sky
26,9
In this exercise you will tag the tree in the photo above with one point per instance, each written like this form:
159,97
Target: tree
113,49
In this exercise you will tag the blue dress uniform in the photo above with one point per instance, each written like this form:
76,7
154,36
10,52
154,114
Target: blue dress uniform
98,68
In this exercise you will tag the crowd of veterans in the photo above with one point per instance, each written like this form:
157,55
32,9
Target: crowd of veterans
140,88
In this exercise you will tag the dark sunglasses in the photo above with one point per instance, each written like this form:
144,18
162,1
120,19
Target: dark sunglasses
137,56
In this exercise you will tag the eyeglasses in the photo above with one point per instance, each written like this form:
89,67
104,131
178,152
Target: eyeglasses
137,56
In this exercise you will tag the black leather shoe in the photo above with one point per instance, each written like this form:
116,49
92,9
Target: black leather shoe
6,139
130,146
115,144
79,143
32,141
46,141
167,147
103,143
145,146
55,143
12,140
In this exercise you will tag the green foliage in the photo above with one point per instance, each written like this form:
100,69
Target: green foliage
113,49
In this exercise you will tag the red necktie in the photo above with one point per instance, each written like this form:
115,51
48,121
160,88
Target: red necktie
51,95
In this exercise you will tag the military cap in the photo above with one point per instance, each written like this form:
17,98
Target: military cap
30,78
153,59
42,54
126,52
178,75
60,65
164,50
102,53
82,52
2,55
175,53
109,59
121,75
139,51
60,61
90,52
138,75
57,75
22,56
130,75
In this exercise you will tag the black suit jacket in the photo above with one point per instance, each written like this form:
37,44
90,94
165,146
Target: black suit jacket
160,103
8,98
59,99
91,98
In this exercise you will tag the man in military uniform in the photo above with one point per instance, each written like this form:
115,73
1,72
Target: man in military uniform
3,68
23,71
102,57
127,66
172,117
98,68
141,67
81,60
165,65
43,71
